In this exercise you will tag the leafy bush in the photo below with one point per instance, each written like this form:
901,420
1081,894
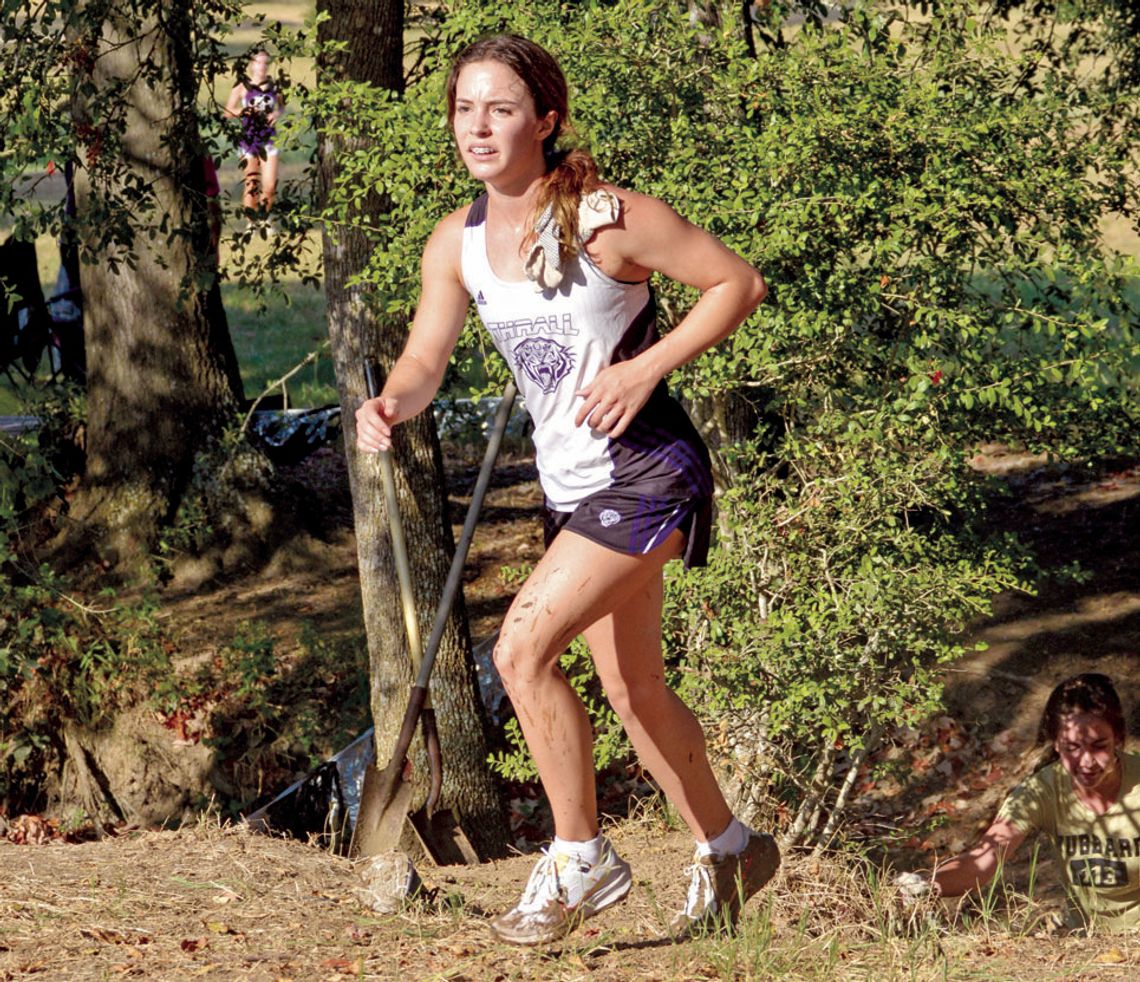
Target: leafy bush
272,716
67,660
61,660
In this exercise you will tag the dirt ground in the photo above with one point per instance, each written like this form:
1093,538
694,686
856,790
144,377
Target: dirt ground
968,759
218,902
317,582
224,903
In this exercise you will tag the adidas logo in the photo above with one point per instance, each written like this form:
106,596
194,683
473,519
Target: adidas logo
479,298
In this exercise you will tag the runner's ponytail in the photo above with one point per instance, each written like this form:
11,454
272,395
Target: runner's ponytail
572,175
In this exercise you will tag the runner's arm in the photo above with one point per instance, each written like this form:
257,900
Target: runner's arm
652,237
233,104
975,868
418,372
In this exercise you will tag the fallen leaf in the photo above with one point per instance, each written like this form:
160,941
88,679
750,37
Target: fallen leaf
1113,956
106,935
32,830
194,944
221,927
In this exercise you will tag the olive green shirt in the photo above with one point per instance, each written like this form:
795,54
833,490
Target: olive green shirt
1099,855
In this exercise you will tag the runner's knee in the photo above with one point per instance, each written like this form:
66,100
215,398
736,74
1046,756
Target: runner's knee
519,662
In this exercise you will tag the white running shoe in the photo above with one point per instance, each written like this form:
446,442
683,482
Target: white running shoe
720,885
561,893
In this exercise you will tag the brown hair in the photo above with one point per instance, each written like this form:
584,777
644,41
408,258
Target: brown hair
1088,693
570,173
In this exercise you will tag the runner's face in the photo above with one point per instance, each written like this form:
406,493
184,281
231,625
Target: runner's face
1087,748
496,129
258,67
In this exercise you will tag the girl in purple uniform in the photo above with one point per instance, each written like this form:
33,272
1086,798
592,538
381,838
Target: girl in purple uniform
558,264
257,103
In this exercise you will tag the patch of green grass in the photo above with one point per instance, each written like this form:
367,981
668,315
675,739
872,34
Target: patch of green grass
268,342
271,342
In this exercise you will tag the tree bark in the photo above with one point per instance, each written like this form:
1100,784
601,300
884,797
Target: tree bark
374,55
162,376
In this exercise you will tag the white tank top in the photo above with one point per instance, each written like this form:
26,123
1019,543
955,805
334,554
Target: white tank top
556,341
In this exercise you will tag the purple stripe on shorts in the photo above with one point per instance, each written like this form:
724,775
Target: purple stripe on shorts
681,456
656,436
647,528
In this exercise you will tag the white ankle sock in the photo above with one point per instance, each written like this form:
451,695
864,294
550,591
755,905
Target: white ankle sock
587,852
730,842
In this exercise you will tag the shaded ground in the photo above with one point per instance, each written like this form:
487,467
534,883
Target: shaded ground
305,605
317,581
220,903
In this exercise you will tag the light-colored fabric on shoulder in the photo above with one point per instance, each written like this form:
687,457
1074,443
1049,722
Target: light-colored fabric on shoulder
596,210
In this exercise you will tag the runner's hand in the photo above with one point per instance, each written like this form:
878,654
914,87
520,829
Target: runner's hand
914,888
374,421
615,397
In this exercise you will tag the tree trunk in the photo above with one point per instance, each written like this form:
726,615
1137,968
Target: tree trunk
374,32
162,374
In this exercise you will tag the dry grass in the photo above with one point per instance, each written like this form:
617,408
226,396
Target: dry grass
221,902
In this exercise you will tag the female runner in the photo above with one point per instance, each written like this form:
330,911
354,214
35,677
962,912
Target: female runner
1085,798
257,103
558,264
